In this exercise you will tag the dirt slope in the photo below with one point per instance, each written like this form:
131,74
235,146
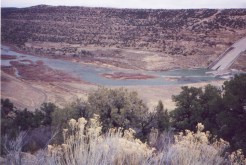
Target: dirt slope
128,38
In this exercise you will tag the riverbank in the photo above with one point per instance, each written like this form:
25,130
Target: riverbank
114,58
31,94
44,79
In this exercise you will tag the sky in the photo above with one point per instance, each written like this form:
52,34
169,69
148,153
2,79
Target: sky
149,4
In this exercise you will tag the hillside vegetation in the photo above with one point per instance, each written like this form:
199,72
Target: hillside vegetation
115,36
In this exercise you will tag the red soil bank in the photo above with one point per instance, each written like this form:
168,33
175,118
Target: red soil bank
7,57
8,69
37,71
126,76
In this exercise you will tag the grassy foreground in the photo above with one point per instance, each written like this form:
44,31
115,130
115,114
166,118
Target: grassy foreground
85,144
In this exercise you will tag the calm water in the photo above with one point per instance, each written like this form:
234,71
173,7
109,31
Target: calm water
93,74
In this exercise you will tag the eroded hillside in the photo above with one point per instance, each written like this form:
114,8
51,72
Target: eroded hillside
127,38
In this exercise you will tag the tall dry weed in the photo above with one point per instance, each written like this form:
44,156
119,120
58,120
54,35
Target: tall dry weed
84,144
194,148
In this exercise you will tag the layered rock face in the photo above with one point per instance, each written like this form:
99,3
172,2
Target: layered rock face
130,38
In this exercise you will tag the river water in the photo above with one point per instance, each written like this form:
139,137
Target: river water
93,73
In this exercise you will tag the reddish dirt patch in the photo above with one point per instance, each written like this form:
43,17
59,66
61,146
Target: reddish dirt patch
39,62
8,69
37,71
29,61
7,57
127,76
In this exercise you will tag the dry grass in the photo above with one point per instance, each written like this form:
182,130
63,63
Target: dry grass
194,148
84,144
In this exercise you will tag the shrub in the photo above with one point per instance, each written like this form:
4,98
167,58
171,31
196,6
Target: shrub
14,120
84,143
194,148
120,108
162,117
223,112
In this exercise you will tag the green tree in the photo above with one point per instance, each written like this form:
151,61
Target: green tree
25,120
223,112
7,117
46,109
211,104
60,116
232,120
6,107
162,117
196,105
188,111
14,120
118,108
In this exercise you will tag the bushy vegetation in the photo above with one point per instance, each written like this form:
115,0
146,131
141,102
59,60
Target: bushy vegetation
123,122
128,28
14,121
116,108
120,108
84,143
222,111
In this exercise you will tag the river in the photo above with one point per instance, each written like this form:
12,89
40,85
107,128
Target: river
93,73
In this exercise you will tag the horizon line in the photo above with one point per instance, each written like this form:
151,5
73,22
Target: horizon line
110,7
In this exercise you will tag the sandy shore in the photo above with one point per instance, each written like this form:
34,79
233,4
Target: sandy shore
32,93
152,94
36,83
